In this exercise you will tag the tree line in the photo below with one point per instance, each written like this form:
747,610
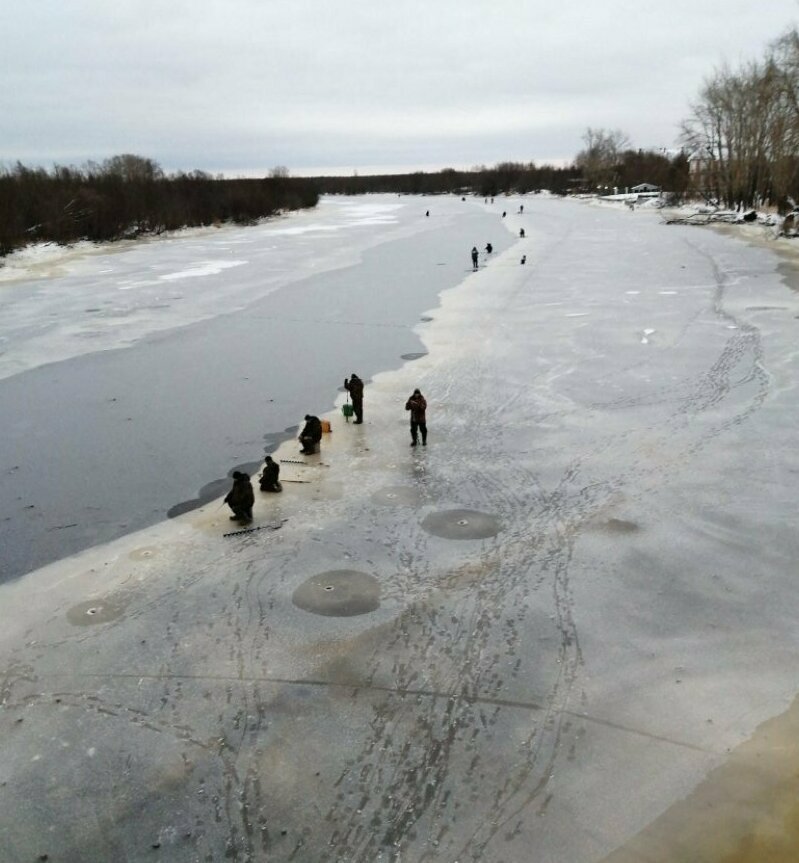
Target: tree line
127,196
503,178
742,132
609,163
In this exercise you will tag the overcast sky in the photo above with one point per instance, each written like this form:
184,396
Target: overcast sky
239,86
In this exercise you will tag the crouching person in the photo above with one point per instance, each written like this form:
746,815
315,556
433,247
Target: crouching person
311,435
269,477
241,498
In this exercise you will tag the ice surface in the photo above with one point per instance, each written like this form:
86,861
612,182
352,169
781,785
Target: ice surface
165,390
541,694
94,298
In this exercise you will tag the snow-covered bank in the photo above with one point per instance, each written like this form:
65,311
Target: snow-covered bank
586,589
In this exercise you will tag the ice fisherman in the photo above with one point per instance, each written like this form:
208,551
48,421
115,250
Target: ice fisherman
241,498
354,386
270,478
311,435
489,248
417,405
475,257
521,232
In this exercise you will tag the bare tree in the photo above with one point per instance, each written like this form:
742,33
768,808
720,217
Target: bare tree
132,168
600,159
745,123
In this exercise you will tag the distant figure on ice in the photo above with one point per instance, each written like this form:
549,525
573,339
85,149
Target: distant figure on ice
241,498
311,435
417,405
489,248
475,257
427,213
521,232
270,477
524,259
521,208
354,386
504,214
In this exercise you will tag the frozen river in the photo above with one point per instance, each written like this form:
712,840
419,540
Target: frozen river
553,634
136,377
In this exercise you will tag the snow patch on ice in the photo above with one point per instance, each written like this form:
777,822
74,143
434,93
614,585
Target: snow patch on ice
207,268
644,338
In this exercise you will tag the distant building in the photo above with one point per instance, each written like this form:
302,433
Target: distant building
645,187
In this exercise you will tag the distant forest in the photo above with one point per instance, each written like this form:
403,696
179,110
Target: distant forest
620,168
127,196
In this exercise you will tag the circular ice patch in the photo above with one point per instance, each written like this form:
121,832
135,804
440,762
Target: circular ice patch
338,593
397,495
94,611
462,524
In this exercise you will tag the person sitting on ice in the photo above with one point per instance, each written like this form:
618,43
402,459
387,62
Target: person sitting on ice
269,477
241,498
311,435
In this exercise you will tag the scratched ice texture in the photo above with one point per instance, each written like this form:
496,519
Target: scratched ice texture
617,421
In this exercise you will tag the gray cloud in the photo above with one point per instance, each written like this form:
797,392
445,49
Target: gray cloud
241,85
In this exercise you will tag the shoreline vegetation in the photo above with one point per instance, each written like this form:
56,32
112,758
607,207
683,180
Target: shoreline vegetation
129,196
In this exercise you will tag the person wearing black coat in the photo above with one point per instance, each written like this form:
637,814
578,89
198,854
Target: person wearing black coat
270,477
417,405
241,498
311,435
354,386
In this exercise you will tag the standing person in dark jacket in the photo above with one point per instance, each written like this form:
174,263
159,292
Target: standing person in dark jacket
269,477
241,498
354,386
417,405
475,257
311,435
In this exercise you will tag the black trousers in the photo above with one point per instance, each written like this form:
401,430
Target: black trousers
418,427
357,409
309,445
